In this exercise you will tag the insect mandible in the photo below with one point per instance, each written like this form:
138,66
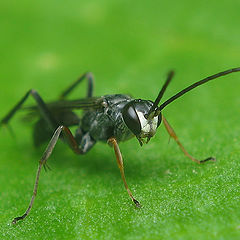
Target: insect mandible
110,118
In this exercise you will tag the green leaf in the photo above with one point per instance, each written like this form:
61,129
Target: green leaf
129,46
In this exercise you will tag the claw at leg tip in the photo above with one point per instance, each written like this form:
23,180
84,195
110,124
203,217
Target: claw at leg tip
208,159
138,205
14,221
211,159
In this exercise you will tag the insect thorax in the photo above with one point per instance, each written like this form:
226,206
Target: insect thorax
108,121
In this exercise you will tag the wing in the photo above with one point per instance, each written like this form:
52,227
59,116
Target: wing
84,104
65,108
62,111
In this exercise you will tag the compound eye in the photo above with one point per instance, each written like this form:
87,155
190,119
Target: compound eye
159,119
131,119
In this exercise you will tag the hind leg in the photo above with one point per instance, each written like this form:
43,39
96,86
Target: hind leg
43,109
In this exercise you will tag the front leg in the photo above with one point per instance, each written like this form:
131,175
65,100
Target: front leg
174,136
113,142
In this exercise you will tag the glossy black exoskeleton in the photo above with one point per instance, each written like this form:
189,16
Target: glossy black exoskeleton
110,118
121,117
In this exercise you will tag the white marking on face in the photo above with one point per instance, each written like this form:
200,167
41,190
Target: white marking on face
147,126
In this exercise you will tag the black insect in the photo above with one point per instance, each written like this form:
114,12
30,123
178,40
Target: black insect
110,118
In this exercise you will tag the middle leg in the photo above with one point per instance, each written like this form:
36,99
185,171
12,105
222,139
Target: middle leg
43,161
89,77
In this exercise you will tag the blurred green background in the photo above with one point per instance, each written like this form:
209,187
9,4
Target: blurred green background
129,46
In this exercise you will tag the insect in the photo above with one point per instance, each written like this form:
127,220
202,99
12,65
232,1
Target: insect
110,118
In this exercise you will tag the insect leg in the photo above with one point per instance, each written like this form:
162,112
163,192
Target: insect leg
174,136
45,113
113,142
42,163
90,79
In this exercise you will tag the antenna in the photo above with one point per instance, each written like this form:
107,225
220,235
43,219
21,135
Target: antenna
196,84
152,112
